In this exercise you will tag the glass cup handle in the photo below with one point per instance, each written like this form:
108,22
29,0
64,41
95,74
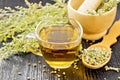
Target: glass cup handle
33,36
30,35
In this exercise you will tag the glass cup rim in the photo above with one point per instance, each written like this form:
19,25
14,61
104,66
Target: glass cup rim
38,28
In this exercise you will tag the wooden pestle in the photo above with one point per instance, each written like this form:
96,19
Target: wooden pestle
89,5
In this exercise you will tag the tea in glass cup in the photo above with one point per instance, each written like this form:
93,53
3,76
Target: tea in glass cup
59,44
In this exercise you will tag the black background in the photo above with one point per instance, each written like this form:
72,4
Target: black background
10,68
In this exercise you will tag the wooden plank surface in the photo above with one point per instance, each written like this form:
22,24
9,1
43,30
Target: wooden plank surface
32,67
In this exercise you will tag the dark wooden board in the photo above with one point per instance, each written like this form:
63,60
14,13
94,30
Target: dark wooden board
21,66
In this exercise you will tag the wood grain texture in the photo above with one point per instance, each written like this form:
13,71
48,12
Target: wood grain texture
22,66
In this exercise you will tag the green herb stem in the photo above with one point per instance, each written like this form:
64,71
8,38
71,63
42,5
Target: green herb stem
17,24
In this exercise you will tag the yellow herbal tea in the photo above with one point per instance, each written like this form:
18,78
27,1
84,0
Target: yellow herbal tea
59,45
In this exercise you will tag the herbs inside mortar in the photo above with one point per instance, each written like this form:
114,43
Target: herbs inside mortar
105,6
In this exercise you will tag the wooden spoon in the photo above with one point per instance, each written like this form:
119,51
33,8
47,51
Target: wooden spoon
107,41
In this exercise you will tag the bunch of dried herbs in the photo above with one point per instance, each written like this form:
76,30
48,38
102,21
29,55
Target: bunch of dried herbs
16,24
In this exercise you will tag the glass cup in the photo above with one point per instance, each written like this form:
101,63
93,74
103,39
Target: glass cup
59,43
